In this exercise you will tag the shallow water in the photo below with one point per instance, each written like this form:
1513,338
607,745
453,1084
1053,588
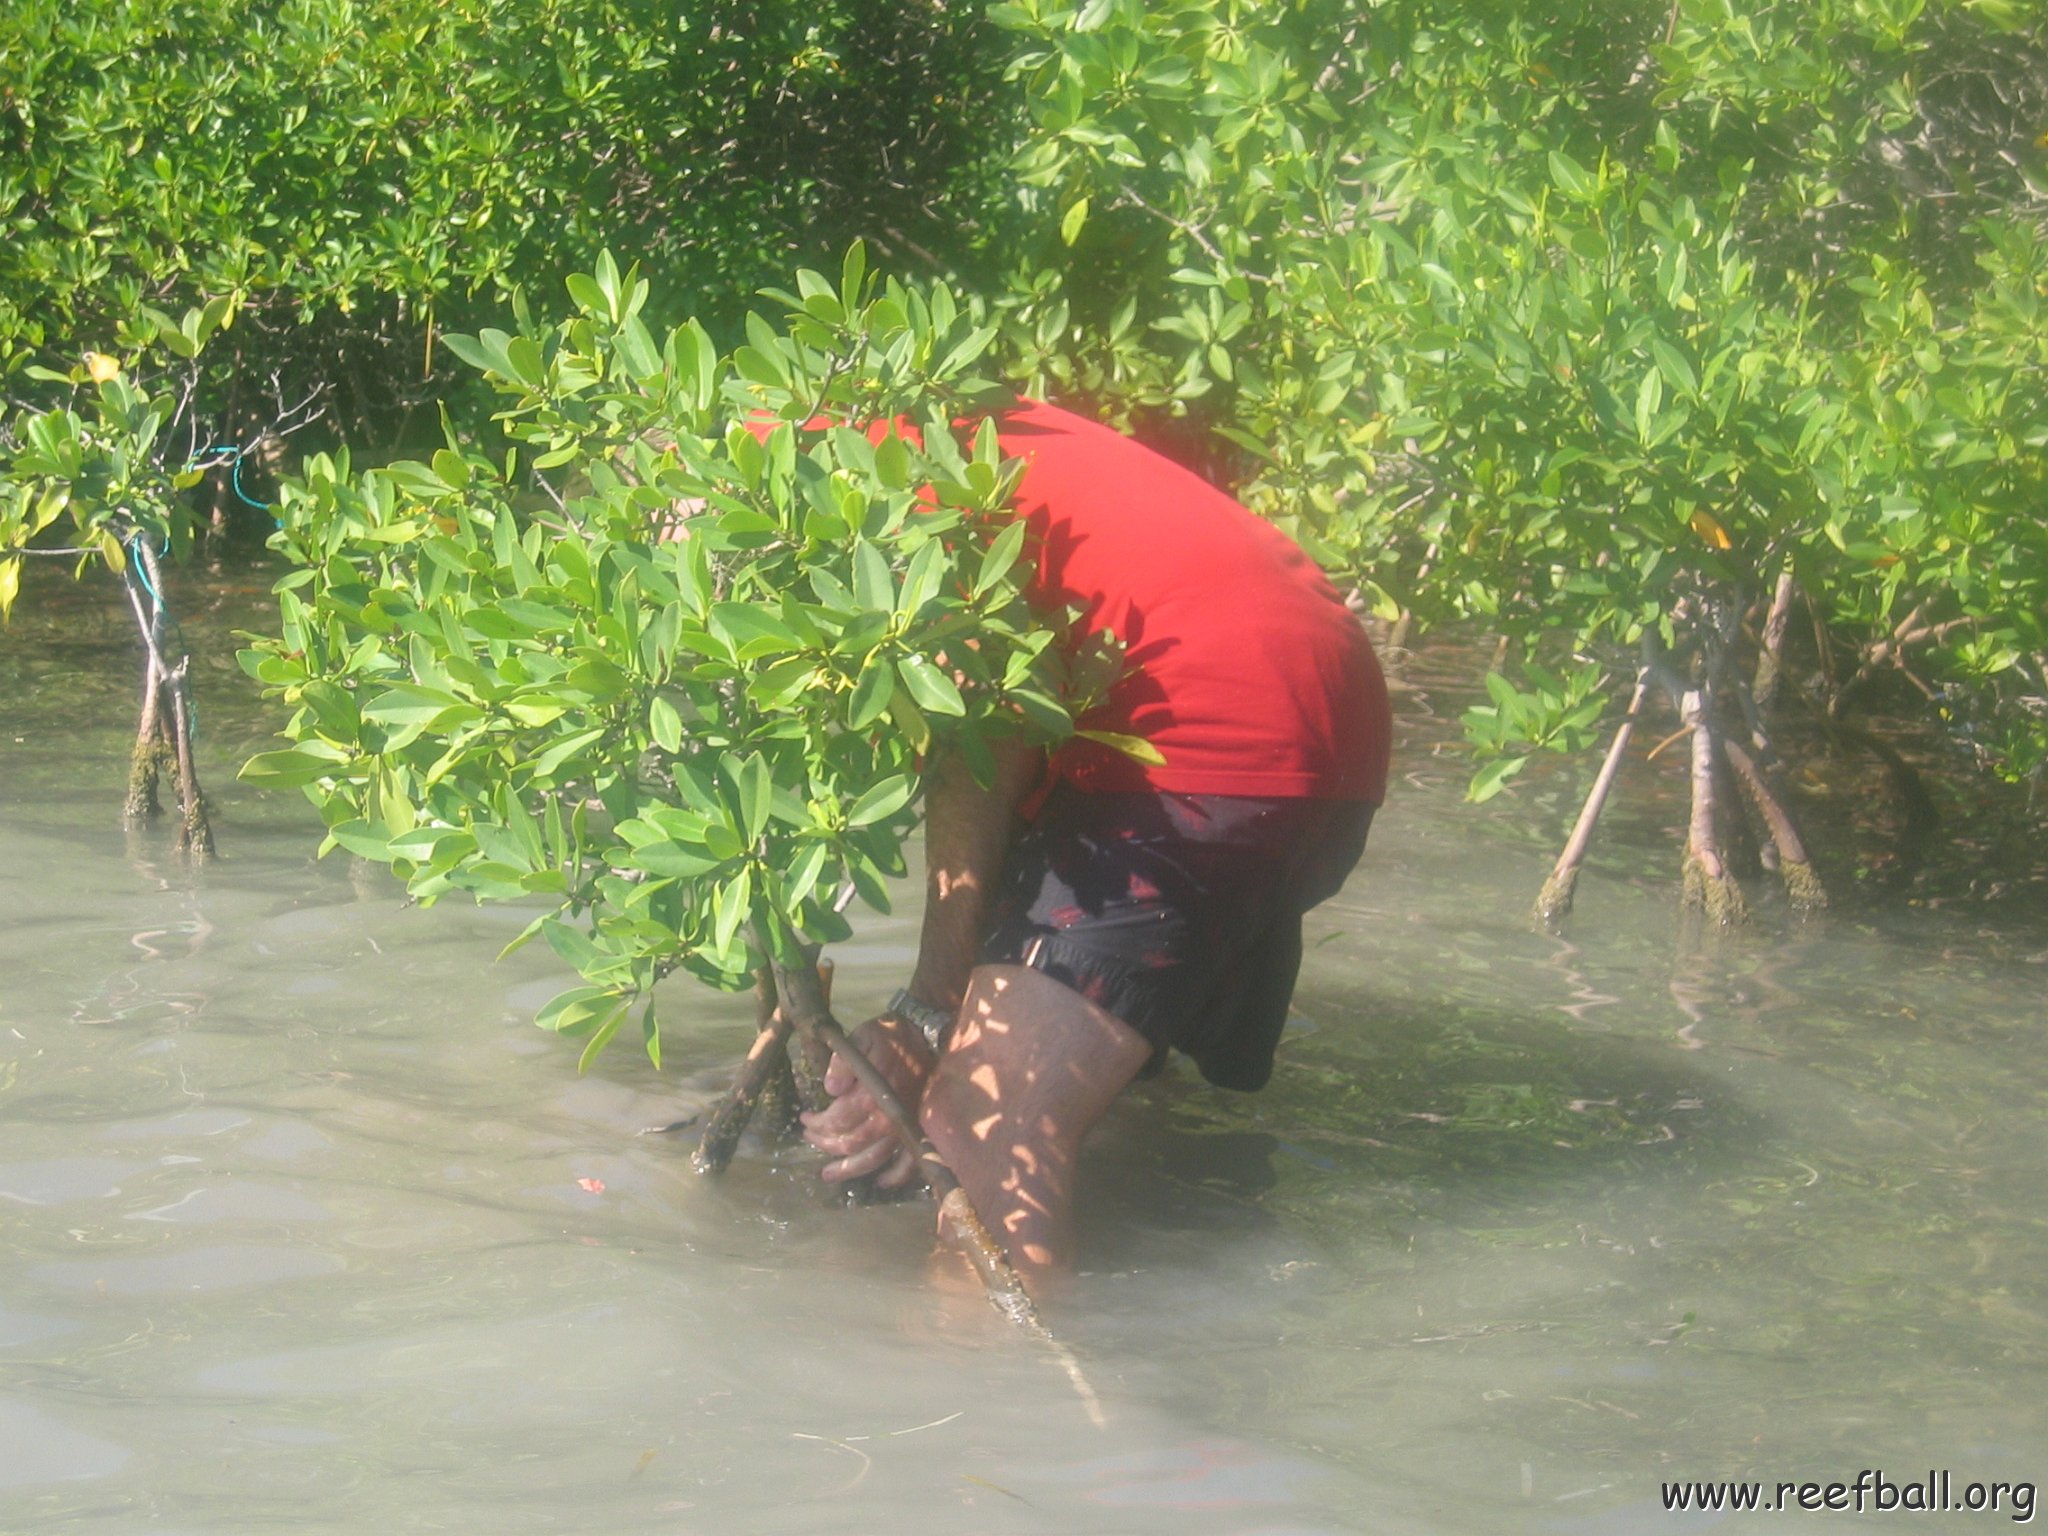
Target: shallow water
294,1228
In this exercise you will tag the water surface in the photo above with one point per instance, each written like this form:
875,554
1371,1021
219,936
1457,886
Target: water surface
304,1226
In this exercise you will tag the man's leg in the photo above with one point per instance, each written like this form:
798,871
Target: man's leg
1031,1065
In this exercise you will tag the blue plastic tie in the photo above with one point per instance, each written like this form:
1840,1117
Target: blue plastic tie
227,455
142,570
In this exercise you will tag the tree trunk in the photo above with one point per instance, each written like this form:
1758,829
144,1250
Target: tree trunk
1770,661
145,766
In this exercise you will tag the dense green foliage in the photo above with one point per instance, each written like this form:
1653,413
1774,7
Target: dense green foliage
1586,319
349,173
1587,322
687,699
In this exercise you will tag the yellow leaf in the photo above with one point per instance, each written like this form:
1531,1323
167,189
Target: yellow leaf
10,583
1707,528
1134,747
102,367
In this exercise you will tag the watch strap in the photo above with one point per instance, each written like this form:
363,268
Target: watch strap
932,1023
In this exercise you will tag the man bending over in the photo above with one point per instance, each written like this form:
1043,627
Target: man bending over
1085,913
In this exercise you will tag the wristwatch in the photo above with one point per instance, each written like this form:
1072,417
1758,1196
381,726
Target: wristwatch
931,1022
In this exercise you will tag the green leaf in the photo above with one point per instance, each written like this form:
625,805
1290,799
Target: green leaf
853,273
1570,177
1672,364
731,907
523,362
753,630
753,784
930,686
603,1035
561,751
1072,221
921,581
881,800
671,860
587,294
1492,779
291,766
359,838
873,587
576,946
650,1033
803,873
526,935
577,1009
664,724
871,693
1001,555
412,704
910,720
1649,396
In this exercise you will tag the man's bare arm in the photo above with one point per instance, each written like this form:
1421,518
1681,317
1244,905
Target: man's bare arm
967,831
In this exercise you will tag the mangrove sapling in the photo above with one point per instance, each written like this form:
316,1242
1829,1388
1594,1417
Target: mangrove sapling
109,466
102,469
684,733
1518,722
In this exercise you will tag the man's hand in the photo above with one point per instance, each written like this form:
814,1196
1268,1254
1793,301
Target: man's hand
852,1129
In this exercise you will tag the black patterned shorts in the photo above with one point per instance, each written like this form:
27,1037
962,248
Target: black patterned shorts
1178,914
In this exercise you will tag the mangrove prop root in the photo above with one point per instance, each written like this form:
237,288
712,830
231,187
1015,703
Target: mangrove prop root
1709,888
1554,901
722,1133
803,1004
1802,884
763,1086
1742,850
195,828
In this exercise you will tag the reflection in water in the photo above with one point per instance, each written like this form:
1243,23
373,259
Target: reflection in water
305,1226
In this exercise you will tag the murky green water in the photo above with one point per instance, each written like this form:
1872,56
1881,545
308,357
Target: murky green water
295,1234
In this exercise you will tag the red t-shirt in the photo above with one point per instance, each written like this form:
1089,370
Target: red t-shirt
1242,665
